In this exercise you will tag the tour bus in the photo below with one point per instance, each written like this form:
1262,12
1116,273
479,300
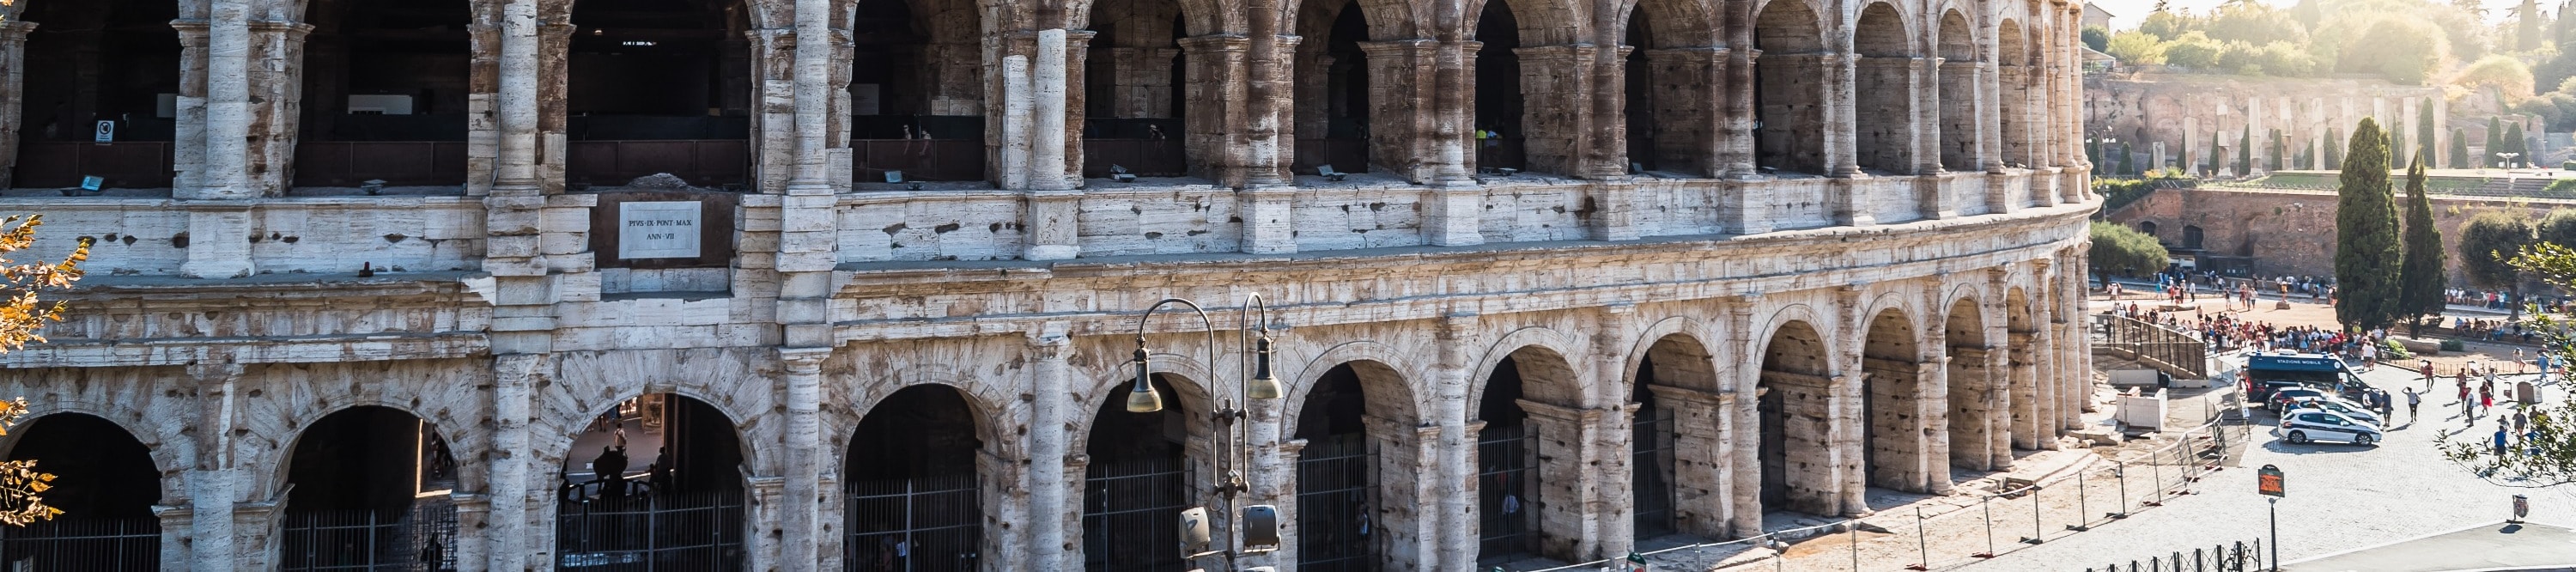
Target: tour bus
2265,372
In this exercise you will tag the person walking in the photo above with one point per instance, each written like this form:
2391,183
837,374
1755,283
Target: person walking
2428,375
2412,399
2499,438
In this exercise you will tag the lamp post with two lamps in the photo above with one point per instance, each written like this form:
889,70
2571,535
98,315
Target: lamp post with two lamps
1257,526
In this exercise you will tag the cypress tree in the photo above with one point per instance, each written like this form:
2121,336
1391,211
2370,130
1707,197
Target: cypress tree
2420,274
2527,33
2459,148
2495,143
2245,153
2128,160
2513,144
2278,150
2424,130
2366,250
2334,154
2216,163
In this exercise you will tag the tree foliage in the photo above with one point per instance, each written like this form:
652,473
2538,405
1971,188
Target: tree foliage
2422,270
22,313
2459,148
2366,249
2424,134
2545,455
2097,37
2502,72
2123,251
2136,47
2488,243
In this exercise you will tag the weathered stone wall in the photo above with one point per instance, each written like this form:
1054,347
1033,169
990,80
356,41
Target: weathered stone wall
2189,112
2291,232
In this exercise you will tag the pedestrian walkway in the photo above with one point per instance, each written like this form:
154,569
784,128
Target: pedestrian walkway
2491,546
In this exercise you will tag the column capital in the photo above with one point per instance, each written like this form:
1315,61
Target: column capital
802,360
16,30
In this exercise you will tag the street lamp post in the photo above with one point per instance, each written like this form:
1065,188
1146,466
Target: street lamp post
1232,441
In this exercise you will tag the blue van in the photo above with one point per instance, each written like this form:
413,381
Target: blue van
2265,373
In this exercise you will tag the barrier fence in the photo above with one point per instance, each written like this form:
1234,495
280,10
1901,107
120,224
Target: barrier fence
2177,351
2022,515
2235,557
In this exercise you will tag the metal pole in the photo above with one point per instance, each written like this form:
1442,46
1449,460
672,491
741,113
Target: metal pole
1855,543
1988,506
2122,471
2276,533
2083,512
2036,532
1922,544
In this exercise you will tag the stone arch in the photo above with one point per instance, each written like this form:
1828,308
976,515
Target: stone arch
1670,84
1527,450
1883,100
1789,92
663,478
1977,439
2013,79
578,395
1895,430
1796,468
93,456
915,475
1564,387
1140,474
1956,43
1675,377
301,424
1383,372
1359,435
1676,329
982,402
173,452
367,464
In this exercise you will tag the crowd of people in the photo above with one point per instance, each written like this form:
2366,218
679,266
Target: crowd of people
2229,332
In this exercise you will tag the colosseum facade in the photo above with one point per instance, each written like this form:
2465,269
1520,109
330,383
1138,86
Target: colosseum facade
1543,278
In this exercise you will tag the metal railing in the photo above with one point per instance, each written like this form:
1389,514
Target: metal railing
933,524
686,531
77,543
2003,521
2177,352
1336,492
2240,556
420,538
1128,513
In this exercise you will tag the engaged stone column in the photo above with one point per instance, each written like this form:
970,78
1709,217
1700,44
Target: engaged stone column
277,95
1048,475
13,75
802,525
1457,509
214,485
1409,467
1842,150
1744,496
1400,136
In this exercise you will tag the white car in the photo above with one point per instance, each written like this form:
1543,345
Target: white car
2347,408
2309,425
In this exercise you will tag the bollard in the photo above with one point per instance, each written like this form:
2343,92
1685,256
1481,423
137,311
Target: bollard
1855,543
2036,532
2122,471
1922,544
2158,472
1987,504
2083,513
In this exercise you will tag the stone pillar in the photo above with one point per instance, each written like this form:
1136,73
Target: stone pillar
1702,483
2026,428
2442,133
1735,143
1743,448
228,109
1846,380
1401,135
515,502
1409,457
276,103
188,147
1571,507
1556,82
1218,104
215,486
473,512
1050,481
1457,509
1453,100
1608,156
1052,204
1842,152
800,516
1932,404
13,75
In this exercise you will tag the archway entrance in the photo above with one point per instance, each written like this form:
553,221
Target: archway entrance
369,491
1137,96
1528,402
654,483
661,87
915,497
96,61
1977,441
917,92
2012,78
105,483
1138,482
1332,87
1960,76
1338,494
1497,134
386,94
1796,423
1788,90
1883,112
1650,444
1893,432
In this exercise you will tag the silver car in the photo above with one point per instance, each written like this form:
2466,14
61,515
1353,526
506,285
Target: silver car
2338,405
2308,425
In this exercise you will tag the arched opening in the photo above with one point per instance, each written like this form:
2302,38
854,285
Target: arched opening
2023,377
1959,101
1789,89
1356,413
653,483
1883,102
1976,441
659,87
915,500
93,70
1893,432
1527,405
104,482
1673,362
917,92
368,489
2012,78
1139,479
387,86
2191,236
1797,425
1333,86
1137,96
1497,132
2148,227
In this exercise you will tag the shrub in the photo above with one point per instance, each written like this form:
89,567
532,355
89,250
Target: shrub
2453,346
2396,351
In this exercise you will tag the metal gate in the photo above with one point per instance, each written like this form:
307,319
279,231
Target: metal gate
1651,468
73,542
933,524
651,532
1337,499
1131,515
421,538
1504,494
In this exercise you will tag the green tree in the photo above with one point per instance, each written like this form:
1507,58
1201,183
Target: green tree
2488,243
2123,251
2279,149
2097,37
2558,227
2128,160
2216,162
2495,143
2421,274
2194,51
2401,49
2459,148
2424,149
2513,143
2245,153
2137,48
2366,250
2545,455
2526,36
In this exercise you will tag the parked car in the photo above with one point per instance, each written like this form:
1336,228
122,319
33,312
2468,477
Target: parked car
2347,408
2281,398
2306,426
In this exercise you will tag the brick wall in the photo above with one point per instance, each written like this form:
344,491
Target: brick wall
2290,232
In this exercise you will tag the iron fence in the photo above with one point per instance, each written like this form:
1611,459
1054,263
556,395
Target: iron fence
84,544
2240,556
1337,495
1129,516
1651,448
421,538
933,524
648,532
2174,350
1506,497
